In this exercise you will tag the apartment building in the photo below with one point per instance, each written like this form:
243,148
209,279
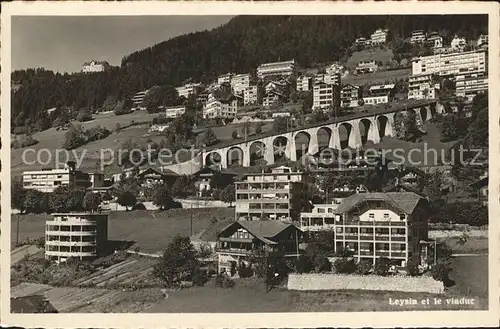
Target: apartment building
450,64
224,78
379,94
361,41
368,66
275,195
423,86
417,36
76,235
320,218
271,97
379,37
187,89
304,83
282,69
350,96
220,106
392,225
469,84
95,66
138,99
458,43
326,96
240,82
242,240
250,95
47,180
334,68
482,41
174,111
329,79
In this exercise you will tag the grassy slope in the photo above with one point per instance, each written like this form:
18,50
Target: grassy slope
375,54
150,231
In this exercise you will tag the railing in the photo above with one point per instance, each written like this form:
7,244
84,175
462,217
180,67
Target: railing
398,238
382,253
398,254
366,253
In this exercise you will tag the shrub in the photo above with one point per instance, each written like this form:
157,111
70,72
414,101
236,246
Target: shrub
440,271
412,267
345,265
365,266
322,264
139,206
200,278
228,283
382,266
304,264
245,271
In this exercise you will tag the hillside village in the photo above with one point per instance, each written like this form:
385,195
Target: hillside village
329,202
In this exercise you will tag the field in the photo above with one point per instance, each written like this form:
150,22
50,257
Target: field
376,77
375,54
150,231
470,274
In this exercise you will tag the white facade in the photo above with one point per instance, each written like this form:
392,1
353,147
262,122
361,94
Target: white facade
48,180
334,68
469,84
379,37
349,96
422,86
218,109
374,100
240,82
450,64
175,112
360,41
95,66
187,89
329,79
287,68
250,95
321,217
303,83
281,114
270,98
417,36
323,95
458,43
139,98
368,66
225,78
435,40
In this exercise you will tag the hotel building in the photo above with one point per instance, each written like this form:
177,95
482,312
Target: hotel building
240,83
379,37
450,64
458,43
282,69
224,78
187,89
242,240
469,84
379,94
434,40
368,66
138,99
326,96
304,83
47,180
95,66
175,111
320,218
250,95
276,195
417,36
76,235
423,86
220,108
392,225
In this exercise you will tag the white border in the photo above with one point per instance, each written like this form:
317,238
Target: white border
268,320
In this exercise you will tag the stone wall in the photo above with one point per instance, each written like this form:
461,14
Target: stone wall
311,282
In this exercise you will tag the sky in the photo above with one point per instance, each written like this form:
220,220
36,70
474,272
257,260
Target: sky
64,43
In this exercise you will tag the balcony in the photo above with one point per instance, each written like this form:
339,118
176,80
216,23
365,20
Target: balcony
236,251
382,253
366,252
398,238
398,254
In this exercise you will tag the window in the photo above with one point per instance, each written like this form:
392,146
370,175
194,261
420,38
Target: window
386,216
402,216
371,216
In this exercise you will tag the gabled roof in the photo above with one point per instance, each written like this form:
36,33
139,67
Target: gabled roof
405,201
31,304
263,230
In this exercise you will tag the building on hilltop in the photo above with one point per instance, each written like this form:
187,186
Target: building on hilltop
138,100
241,241
250,95
392,225
271,98
47,180
417,36
76,235
304,83
368,66
95,66
449,65
275,195
188,89
379,37
458,43
277,69
470,84
224,78
240,83
174,111
482,41
434,40
326,96
221,104
423,86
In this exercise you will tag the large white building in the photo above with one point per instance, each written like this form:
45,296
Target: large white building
329,79
304,83
240,82
50,179
450,64
250,95
422,86
76,235
187,89
224,78
220,108
368,66
379,36
434,40
138,99
287,68
95,66
482,40
324,95
174,111
379,94
469,84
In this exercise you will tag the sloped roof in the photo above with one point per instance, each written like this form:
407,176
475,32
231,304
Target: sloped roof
263,230
405,201
31,304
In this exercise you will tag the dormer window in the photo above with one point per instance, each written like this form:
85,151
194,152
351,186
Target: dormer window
402,216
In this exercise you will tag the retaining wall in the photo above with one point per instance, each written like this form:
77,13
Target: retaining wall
311,282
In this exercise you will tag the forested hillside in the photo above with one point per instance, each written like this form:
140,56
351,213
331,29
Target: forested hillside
239,46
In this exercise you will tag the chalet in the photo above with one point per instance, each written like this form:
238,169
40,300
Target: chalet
151,176
241,240
207,174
